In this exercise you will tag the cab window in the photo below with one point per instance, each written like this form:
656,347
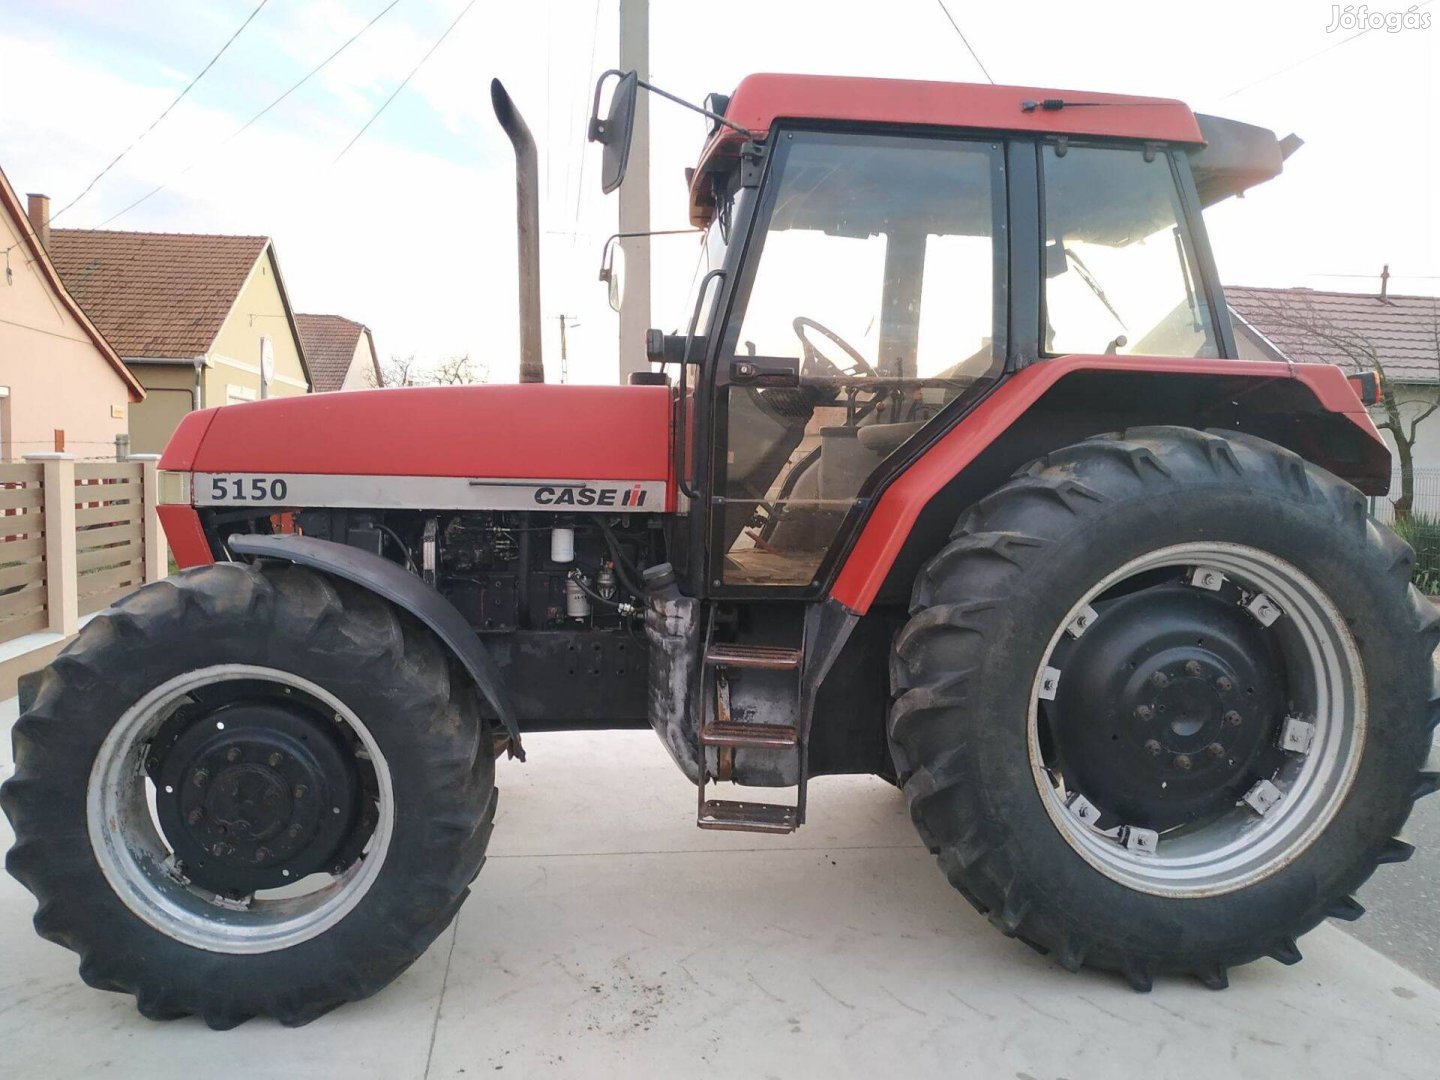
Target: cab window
876,285
1120,270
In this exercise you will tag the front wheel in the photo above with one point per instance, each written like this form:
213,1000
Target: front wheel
249,791
1164,702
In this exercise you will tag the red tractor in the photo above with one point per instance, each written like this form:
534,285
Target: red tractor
955,478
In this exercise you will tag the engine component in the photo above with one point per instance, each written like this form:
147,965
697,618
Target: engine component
605,582
562,545
577,604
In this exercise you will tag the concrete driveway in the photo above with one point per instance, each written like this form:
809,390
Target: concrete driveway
607,936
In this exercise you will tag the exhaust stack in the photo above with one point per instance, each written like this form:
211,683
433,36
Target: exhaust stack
527,199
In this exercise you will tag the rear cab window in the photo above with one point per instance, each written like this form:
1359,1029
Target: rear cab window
1121,276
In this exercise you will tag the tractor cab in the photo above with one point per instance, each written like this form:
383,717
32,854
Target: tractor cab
879,255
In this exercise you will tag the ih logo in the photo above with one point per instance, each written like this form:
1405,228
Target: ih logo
634,497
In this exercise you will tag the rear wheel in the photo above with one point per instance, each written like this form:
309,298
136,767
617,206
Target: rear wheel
1164,702
249,792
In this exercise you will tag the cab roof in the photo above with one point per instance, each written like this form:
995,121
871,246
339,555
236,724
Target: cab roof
761,100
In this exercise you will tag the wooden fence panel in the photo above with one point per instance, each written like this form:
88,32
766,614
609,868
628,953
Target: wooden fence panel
91,523
22,550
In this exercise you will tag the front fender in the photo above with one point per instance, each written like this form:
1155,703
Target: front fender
405,590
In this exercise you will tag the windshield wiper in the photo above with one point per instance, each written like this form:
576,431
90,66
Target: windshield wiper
1094,285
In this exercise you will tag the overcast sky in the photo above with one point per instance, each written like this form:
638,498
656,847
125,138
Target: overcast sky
412,230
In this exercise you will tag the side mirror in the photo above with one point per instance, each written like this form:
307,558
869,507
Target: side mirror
612,273
614,132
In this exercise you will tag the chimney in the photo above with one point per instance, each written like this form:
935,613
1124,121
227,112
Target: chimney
1385,284
38,212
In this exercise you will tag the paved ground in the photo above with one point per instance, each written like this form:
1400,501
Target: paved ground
609,937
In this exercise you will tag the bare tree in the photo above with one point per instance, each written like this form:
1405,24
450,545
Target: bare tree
459,371
397,371
1402,408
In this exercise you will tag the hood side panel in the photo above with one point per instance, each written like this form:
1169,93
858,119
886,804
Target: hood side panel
519,430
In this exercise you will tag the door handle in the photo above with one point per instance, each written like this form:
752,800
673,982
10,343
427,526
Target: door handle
765,372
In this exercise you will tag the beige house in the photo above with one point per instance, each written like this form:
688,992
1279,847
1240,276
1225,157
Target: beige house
340,352
62,385
200,320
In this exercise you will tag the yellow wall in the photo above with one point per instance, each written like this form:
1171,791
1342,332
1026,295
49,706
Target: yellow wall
57,376
234,358
168,395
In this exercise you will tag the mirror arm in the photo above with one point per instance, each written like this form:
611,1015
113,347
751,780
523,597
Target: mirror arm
696,108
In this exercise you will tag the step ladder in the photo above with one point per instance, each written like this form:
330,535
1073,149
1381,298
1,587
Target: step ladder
722,730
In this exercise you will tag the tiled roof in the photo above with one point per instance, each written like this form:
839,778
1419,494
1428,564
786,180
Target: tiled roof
329,344
1311,326
155,294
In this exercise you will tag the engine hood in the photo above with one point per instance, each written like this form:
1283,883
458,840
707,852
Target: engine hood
351,448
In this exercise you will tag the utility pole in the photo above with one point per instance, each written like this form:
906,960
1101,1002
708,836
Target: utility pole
635,195
566,321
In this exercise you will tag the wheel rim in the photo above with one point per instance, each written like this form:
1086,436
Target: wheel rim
143,851
1252,791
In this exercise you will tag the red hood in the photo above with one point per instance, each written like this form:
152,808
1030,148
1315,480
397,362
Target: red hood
515,430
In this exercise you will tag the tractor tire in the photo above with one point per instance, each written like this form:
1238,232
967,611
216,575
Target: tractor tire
333,696
1210,574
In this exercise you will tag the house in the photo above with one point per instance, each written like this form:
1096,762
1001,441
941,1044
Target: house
1360,332
62,385
200,320
340,352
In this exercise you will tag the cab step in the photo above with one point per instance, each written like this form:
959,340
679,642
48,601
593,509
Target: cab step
769,657
758,736
747,816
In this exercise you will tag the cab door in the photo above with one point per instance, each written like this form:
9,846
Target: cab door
870,299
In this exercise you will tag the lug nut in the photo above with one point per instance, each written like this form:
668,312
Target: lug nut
295,830
274,759
300,791
1182,761
1154,747
1223,684
220,849
194,816
233,754
1215,750
1232,719
1144,712
1159,680
261,854
1192,667
201,778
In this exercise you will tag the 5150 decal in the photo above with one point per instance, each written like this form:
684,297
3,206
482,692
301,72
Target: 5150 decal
247,489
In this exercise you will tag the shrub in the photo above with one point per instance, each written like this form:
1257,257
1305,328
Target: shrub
1422,532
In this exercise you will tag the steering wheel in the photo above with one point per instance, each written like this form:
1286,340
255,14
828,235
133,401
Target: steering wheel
813,356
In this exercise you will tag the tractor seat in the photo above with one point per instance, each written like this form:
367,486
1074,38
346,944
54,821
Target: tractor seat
883,439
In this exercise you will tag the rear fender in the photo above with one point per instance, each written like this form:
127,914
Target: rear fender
1308,408
405,590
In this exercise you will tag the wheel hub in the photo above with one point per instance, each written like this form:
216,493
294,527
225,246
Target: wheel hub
257,795
1168,707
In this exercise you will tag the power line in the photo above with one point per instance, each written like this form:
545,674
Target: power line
1306,59
973,55
590,78
386,104
248,123
154,123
